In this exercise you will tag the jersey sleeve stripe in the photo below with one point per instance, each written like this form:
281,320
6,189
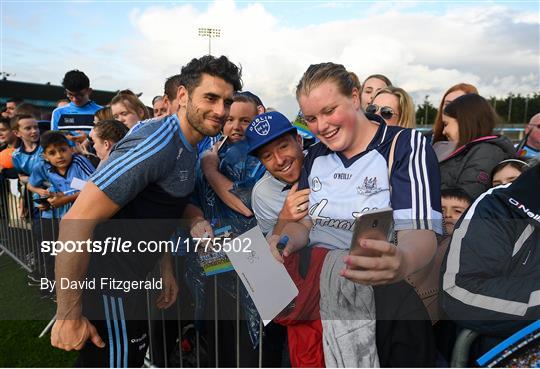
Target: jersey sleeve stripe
427,192
148,154
152,139
83,164
411,176
424,185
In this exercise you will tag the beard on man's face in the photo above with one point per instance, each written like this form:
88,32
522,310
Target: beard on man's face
196,118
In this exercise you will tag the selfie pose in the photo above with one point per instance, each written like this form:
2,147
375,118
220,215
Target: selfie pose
348,174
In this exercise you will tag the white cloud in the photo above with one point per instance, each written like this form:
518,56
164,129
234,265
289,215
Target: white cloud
491,46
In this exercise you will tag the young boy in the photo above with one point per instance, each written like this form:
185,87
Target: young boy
29,152
57,170
454,203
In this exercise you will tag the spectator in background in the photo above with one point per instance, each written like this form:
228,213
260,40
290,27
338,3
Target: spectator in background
450,95
128,108
395,106
77,118
11,104
62,102
104,113
454,203
28,109
159,106
26,156
371,85
507,171
491,273
9,142
530,146
260,106
105,135
468,122
170,94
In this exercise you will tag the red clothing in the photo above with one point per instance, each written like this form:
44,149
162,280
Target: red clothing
303,321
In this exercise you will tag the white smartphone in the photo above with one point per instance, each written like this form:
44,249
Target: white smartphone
372,225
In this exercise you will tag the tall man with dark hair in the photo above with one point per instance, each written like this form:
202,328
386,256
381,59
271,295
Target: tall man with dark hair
78,115
146,180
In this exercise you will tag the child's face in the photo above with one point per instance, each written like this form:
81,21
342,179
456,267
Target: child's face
506,175
452,210
58,155
6,134
28,130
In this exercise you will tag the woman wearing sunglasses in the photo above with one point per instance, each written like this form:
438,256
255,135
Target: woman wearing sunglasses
468,124
347,173
395,106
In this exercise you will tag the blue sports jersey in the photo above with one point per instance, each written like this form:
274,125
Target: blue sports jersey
206,143
24,161
45,175
149,174
73,118
342,189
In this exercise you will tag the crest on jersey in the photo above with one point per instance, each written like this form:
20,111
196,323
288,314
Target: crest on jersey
262,125
316,184
369,187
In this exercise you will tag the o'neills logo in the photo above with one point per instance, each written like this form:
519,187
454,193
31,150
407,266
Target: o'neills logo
523,208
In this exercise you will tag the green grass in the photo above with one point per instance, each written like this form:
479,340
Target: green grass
23,315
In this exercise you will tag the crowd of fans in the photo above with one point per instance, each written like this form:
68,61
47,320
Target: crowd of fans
466,214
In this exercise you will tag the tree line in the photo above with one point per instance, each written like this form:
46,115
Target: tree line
514,109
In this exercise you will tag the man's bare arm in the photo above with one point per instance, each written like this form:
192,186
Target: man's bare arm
71,329
91,206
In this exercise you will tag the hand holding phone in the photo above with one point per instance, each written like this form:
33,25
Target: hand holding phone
372,225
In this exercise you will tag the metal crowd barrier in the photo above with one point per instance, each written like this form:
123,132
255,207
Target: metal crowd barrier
20,236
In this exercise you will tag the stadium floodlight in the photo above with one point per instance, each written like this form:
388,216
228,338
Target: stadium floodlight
210,33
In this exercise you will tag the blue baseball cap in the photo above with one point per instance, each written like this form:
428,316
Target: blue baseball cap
266,127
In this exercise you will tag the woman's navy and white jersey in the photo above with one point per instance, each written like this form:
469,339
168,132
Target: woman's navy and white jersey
149,174
342,189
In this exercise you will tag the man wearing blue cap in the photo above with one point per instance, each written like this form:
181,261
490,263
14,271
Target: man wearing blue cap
275,200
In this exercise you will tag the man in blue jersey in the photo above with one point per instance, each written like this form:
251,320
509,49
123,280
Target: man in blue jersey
146,180
78,115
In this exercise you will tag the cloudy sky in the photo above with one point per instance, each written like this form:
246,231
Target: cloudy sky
423,46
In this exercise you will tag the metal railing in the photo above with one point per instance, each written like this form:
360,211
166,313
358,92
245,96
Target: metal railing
21,231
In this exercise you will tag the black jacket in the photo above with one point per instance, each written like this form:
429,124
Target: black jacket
491,273
470,166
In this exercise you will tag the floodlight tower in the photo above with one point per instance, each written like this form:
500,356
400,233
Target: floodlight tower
210,32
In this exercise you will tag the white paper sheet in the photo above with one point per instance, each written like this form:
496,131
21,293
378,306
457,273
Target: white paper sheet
77,183
266,280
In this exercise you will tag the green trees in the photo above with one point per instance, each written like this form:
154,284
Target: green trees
514,109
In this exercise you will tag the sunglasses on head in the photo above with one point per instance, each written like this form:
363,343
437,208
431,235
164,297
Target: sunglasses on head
385,111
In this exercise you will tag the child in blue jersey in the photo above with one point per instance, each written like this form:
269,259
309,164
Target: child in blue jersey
51,182
29,152
347,173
